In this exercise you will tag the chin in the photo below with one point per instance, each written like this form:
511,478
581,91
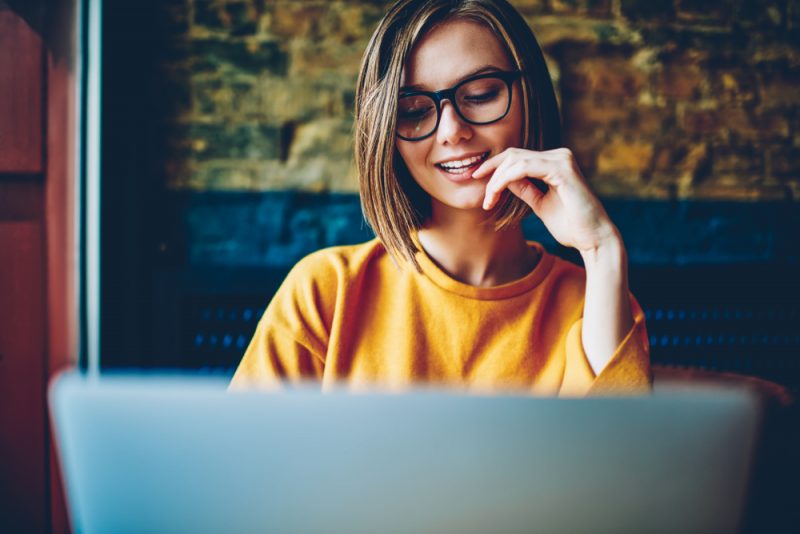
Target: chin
461,197
464,202
476,205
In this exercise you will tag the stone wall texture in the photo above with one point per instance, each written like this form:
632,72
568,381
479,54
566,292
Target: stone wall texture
661,99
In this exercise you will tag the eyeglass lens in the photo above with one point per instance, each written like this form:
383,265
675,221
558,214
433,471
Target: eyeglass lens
478,101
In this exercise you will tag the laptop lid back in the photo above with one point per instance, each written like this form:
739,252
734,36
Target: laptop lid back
184,455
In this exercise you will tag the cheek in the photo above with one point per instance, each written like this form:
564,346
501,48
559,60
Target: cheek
412,153
509,134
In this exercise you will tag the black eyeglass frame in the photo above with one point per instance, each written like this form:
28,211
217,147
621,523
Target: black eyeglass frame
509,77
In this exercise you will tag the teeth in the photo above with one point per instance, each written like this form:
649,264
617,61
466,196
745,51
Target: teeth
462,163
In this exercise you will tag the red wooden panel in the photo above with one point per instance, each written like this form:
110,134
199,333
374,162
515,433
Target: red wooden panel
20,200
60,221
22,371
21,68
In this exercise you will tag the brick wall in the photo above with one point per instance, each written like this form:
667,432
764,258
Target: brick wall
661,99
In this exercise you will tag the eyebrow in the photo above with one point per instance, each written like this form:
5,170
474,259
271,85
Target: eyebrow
481,70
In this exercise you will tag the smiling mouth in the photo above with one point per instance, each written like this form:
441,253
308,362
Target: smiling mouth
464,165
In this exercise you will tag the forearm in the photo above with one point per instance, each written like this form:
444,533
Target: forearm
607,316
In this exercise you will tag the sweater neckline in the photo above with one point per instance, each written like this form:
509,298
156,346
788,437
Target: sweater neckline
511,289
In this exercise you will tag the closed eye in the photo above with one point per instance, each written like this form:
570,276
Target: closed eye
411,114
481,97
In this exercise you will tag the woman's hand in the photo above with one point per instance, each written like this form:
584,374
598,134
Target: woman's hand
569,210
576,219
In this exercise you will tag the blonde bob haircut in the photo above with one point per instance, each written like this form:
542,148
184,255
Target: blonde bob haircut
394,205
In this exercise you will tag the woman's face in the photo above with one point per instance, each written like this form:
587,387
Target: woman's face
442,164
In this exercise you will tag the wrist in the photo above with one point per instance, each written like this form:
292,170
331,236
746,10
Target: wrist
608,254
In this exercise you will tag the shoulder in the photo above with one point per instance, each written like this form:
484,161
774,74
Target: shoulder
338,263
566,268
563,275
316,283
324,274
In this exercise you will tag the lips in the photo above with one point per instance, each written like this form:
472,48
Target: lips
458,167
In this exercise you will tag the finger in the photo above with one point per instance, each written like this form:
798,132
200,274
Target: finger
521,169
501,169
491,195
528,192
491,164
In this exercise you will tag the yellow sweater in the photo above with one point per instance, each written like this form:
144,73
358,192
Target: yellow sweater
348,315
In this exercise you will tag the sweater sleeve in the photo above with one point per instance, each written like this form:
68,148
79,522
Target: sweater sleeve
274,357
627,372
291,339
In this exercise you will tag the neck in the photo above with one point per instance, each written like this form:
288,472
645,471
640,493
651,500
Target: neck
466,246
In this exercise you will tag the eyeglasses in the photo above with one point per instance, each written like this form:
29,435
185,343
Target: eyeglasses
481,99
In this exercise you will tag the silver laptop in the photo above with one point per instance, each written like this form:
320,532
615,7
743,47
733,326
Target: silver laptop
156,454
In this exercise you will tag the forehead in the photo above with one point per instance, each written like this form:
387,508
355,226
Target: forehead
450,51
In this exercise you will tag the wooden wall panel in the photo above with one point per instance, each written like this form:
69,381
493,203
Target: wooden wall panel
37,257
21,71
22,372
61,227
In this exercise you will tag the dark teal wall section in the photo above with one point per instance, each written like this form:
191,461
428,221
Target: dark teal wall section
276,229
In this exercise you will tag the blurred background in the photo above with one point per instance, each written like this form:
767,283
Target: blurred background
226,157
219,136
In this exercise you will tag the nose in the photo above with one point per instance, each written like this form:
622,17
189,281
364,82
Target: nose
452,128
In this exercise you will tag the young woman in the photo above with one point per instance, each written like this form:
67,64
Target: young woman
458,139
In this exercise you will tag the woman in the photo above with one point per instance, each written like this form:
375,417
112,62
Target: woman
457,139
